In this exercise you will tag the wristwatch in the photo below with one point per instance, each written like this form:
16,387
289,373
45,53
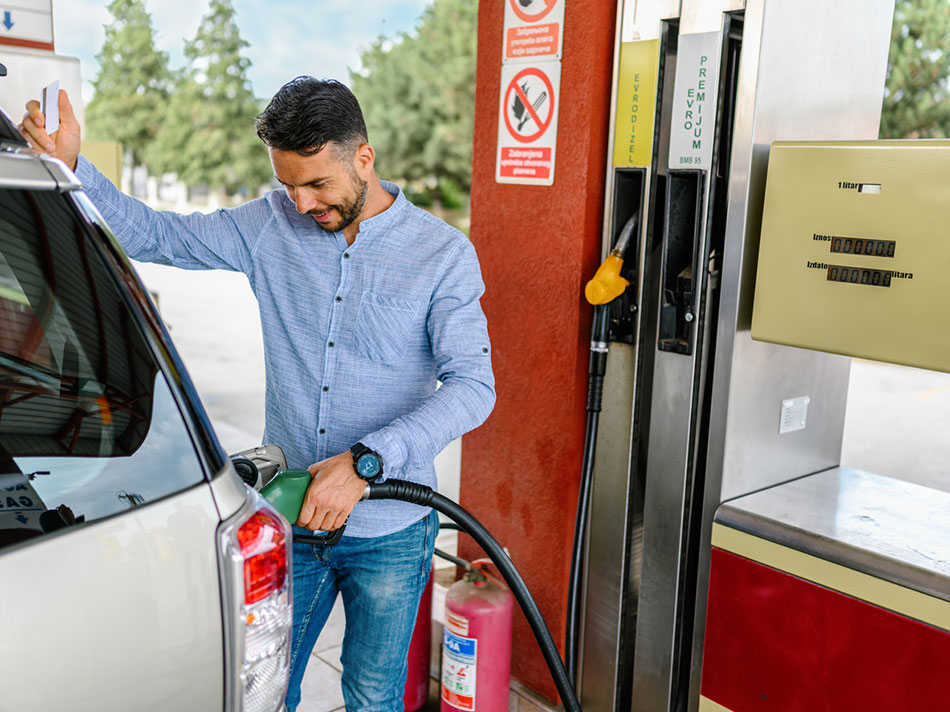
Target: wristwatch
367,463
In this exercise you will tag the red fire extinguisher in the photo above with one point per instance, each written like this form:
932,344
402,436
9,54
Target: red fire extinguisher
476,643
417,679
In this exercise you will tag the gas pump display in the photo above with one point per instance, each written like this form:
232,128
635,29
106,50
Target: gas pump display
853,250
868,248
856,275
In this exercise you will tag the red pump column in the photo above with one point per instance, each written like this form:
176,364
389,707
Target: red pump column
538,246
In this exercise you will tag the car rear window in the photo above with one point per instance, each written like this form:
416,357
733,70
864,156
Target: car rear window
88,425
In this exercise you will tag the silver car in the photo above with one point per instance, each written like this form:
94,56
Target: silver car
137,570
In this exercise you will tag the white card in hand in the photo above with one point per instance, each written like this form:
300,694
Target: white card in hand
50,106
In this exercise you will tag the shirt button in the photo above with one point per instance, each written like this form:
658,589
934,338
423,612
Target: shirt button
339,299
326,388
346,255
322,431
330,344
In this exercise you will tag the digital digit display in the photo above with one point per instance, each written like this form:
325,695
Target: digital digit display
859,275
863,246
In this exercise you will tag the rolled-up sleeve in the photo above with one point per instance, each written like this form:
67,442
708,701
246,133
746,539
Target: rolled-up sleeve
458,332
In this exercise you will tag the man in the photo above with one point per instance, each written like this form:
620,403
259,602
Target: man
365,302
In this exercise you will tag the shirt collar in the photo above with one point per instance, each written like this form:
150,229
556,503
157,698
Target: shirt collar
390,215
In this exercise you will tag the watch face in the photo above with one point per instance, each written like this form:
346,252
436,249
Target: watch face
367,466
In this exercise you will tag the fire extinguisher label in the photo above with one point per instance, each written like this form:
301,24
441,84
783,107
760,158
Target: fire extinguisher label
459,657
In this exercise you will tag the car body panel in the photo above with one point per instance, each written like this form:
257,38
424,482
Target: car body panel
229,492
121,605
109,615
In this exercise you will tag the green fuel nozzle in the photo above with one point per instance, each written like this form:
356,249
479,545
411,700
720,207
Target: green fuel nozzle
286,492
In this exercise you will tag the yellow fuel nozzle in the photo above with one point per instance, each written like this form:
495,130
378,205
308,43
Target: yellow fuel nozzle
607,283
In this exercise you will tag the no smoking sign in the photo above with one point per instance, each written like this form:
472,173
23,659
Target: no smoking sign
527,123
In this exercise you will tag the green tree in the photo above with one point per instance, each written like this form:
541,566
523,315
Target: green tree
207,135
417,95
131,88
917,95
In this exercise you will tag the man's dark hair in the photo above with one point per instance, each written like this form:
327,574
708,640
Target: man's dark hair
307,113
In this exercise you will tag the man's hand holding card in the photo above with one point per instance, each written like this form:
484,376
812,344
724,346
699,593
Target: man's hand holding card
38,125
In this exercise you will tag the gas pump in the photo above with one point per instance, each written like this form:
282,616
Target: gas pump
635,183
696,406
845,574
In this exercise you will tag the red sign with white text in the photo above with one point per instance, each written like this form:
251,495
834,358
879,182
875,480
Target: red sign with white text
534,30
525,163
533,41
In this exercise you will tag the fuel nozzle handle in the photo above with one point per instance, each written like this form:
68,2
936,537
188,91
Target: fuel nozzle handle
607,284
286,492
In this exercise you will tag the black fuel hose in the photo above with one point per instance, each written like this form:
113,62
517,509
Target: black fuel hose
595,392
599,335
426,496
449,557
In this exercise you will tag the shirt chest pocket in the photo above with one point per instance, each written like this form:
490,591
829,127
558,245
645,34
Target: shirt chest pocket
385,326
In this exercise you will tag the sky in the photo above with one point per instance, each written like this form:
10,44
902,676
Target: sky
287,37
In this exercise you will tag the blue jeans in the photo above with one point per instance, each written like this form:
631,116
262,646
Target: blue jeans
381,580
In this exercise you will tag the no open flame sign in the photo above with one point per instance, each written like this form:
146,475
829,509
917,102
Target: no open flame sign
527,123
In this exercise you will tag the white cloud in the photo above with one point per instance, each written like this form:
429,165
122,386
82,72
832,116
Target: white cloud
287,37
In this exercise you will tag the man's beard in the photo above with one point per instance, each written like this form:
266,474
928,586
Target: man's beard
349,210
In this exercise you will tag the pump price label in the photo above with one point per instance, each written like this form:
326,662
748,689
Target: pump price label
693,127
459,658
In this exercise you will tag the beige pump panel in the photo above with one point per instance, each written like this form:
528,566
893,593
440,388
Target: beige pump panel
855,250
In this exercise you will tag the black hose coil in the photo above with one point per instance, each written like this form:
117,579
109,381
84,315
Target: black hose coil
420,494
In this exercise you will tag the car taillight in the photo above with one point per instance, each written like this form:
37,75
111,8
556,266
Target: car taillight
264,548
255,565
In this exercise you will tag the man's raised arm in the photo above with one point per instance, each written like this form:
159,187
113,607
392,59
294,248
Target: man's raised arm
225,239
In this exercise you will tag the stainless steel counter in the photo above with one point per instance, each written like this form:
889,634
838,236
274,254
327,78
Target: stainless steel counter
895,530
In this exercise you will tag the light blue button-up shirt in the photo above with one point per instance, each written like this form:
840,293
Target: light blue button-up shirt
355,337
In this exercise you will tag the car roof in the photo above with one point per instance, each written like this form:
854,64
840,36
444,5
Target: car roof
22,167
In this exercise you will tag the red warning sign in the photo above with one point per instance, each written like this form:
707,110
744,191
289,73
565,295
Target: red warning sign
527,123
534,30
527,118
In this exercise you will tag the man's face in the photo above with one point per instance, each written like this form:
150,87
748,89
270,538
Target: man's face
328,185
